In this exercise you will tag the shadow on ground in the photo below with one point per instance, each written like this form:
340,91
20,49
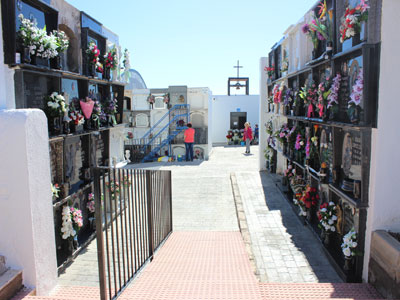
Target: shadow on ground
301,235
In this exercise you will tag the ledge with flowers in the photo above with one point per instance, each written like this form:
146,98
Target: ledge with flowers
315,98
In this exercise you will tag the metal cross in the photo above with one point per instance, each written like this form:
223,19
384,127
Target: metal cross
238,67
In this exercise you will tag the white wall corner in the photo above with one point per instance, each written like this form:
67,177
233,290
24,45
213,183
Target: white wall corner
26,199
263,114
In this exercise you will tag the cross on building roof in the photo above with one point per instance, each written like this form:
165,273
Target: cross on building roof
238,67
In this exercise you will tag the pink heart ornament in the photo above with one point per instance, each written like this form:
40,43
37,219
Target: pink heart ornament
87,108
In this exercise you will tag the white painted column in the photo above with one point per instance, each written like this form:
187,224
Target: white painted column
384,207
7,94
263,114
27,224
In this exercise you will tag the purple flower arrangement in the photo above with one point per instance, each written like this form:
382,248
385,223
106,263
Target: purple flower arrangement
357,91
334,91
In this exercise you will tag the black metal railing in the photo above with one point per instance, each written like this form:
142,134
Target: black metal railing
134,218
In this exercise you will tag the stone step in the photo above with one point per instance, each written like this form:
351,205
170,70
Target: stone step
23,293
10,283
3,267
318,291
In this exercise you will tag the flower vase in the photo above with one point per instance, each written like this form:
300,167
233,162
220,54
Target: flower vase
314,54
55,125
348,263
310,111
106,73
26,55
57,63
329,48
92,70
354,114
327,238
87,125
276,110
284,181
95,123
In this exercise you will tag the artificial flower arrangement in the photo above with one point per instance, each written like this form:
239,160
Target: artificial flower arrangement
90,203
297,184
350,23
39,42
270,70
62,41
98,114
299,144
291,137
72,222
166,98
349,244
323,93
126,65
333,102
327,217
93,54
110,59
113,187
354,104
285,64
269,127
75,113
282,133
316,29
111,109
288,97
309,95
277,93
310,197
55,105
297,201
55,189
151,99
289,172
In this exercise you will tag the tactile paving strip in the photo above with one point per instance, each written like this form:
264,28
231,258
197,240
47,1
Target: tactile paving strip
318,291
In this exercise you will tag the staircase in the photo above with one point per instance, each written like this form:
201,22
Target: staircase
178,116
10,282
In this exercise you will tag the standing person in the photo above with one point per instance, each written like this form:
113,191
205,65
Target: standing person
256,134
247,136
189,140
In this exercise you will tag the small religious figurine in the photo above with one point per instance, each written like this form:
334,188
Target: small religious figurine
128,155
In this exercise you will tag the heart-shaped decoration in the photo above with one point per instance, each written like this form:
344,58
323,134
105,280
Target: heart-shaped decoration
87,108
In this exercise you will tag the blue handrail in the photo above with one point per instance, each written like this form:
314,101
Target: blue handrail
171,136
175,107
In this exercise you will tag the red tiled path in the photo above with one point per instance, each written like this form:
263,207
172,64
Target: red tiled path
212,265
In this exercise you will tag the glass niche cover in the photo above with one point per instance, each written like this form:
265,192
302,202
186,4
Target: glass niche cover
70,89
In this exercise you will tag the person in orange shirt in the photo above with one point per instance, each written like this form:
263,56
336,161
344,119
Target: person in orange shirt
189,140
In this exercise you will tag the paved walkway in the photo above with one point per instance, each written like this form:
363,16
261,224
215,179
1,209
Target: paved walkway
284,250
206,258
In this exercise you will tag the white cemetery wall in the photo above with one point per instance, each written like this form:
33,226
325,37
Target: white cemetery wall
156,115
198,98
384,212
222,106
27,221
139,99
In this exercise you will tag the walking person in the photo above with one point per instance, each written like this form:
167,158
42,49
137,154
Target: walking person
255,142
247,136
189,140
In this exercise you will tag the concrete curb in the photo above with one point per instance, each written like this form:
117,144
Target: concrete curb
242,222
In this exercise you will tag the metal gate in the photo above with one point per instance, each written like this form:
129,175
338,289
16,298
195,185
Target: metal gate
134,218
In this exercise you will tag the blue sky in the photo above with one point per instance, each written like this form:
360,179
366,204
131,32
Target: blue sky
196,43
